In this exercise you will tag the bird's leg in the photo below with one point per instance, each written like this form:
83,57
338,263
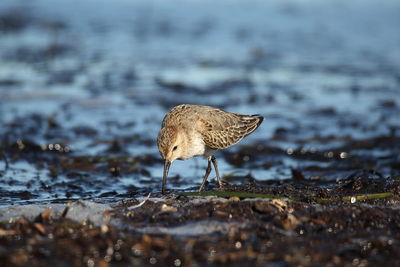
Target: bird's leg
214,161
208,170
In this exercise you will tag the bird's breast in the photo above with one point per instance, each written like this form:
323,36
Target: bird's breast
195,146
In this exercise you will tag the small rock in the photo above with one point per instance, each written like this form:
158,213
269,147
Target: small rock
234,199
166,208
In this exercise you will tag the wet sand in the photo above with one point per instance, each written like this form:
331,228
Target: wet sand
304,227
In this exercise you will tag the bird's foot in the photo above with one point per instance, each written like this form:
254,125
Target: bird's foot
222,184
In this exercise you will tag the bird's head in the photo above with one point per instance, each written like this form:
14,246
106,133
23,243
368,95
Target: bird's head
170,143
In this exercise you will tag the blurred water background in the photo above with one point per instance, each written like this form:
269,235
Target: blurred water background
84,86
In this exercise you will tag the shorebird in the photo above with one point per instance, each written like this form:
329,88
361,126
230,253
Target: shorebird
192,130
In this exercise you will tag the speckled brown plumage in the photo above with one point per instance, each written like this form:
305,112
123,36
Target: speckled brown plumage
193,130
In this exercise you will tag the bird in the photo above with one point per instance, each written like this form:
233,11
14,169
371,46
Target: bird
195,130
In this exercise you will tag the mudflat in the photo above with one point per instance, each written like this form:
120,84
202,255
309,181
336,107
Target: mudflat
82,95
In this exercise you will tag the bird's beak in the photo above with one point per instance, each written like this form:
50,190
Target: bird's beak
166,168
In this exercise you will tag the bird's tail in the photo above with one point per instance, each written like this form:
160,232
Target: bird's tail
259,119
252,122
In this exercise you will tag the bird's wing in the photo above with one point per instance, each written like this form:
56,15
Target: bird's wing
224,131
178,114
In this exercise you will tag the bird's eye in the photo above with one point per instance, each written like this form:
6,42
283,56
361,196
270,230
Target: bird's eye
174,148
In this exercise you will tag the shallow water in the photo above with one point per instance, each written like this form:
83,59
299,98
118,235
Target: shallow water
84,87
